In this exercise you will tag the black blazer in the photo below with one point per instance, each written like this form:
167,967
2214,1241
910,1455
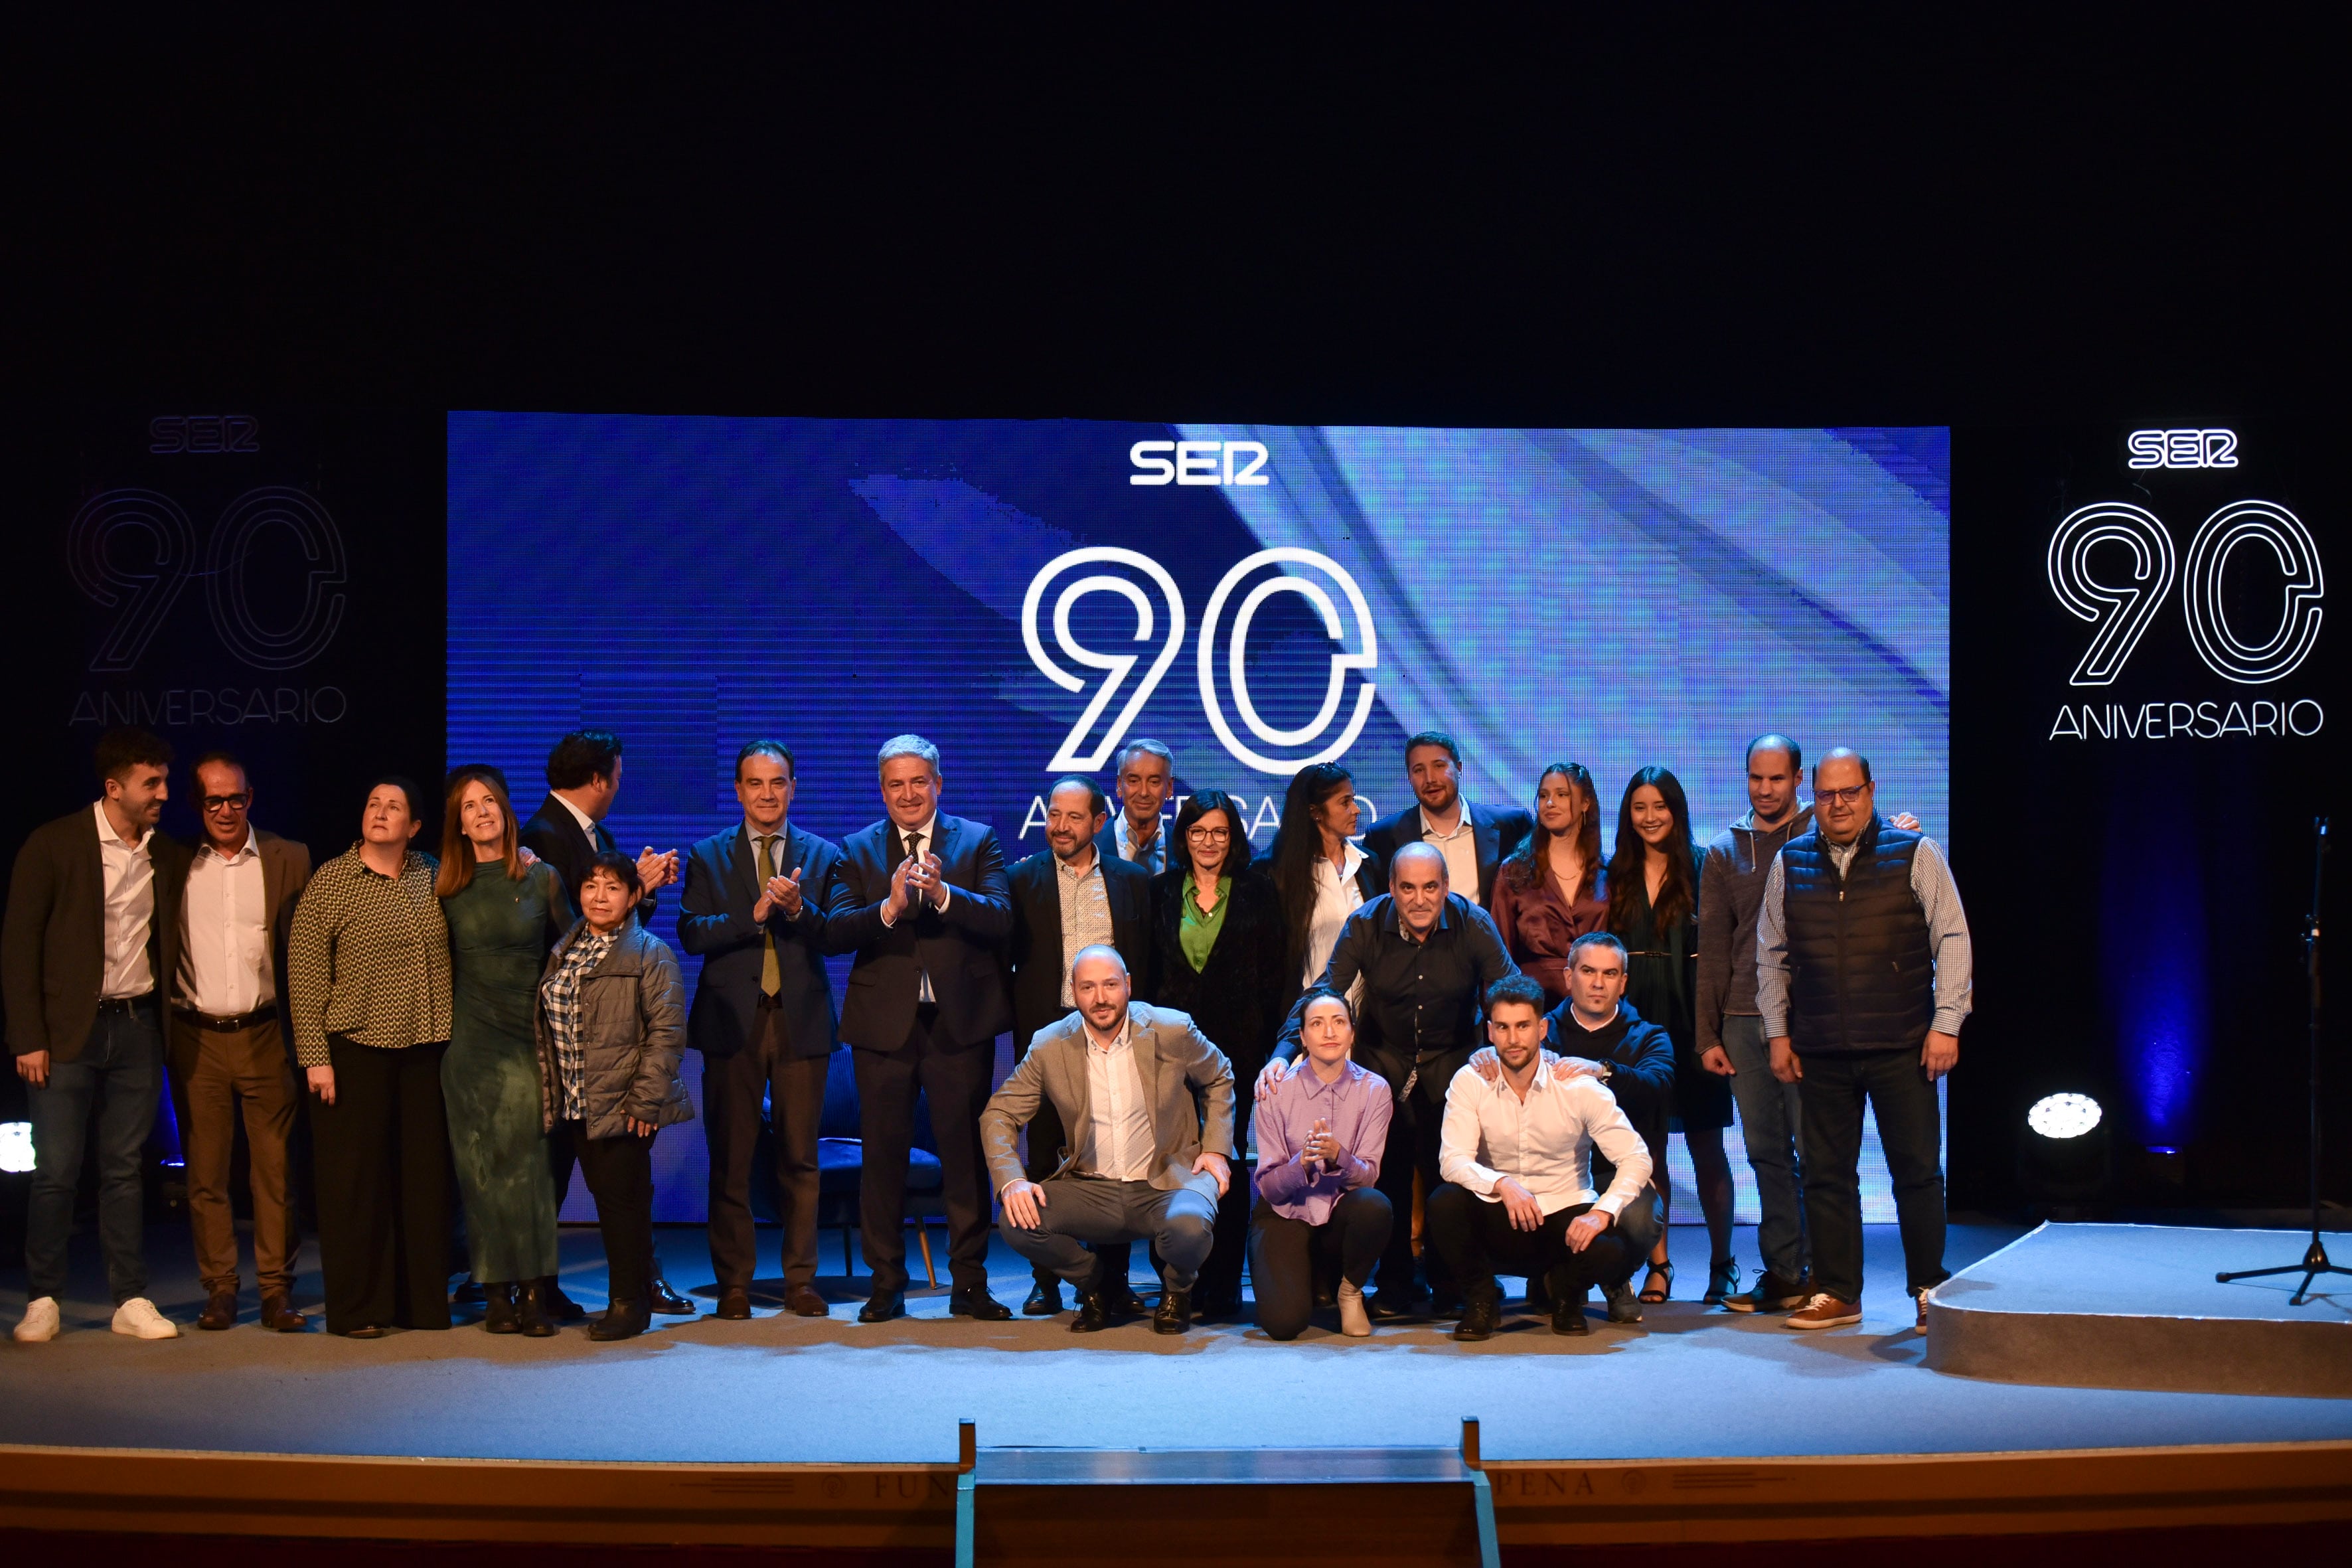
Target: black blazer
714,922
1496,830
53,943
1035,955
553,835
1241,995
960,948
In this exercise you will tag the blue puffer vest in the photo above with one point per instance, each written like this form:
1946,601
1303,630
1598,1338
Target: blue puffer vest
1862,975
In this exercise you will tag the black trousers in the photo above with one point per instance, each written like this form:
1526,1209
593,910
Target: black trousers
1221,1276
732,1090
1910,1131
1284,1252
1413,1127
561,1156
954,1075
382,1161
1477,1238
620,1172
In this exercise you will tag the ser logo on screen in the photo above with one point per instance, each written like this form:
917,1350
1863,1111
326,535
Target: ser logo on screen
1198,463
1160,618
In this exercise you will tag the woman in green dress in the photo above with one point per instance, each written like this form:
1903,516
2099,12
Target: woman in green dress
1654,911
503,914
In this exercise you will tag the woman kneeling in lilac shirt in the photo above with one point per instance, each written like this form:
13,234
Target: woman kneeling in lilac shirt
1319,1138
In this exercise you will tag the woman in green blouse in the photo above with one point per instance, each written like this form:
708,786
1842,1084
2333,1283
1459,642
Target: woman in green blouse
1221,953
367,980
503,916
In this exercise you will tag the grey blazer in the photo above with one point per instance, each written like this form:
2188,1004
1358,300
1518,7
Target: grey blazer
1187,1081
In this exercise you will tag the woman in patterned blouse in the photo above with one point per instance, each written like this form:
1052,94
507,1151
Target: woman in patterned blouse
367,964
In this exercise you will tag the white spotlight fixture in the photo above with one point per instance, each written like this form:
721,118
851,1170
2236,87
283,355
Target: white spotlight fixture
2064,1115
15,1147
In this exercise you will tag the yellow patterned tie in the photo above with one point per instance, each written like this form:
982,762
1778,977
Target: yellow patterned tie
771,972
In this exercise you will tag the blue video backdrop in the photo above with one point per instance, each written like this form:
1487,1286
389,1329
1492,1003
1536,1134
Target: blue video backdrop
1027,595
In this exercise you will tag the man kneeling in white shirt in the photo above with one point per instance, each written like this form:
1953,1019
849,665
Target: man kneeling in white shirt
1516,1156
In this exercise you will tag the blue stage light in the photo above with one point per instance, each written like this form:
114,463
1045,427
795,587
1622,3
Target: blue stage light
15,1147
2064,1115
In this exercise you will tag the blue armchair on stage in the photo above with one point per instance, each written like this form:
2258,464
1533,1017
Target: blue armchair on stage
840,1157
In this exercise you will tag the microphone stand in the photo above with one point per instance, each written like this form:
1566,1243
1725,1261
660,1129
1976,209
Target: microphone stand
2316,1262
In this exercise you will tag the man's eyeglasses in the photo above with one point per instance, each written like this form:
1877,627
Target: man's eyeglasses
227,802
1848,796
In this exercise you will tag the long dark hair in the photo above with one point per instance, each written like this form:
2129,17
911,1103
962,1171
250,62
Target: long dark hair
1531,861
1297,844
1198,805
1678,894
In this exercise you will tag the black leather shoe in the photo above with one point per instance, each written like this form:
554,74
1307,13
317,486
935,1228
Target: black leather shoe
1567,1317
974,1301
669,1303
560,1307
621,1321
882,1306
1210,1306
1175,1313
1091,1316
1446,1304
735,1304
1389,1306
1480,1318
1120,1300
531,1310
1045,1298
499,1319
802,1301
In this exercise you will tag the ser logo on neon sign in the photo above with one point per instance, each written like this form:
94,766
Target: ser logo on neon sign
1198,463
2181,449
1159,617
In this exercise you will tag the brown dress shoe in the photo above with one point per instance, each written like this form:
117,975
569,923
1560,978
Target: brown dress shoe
802,1301
220,1310
734,1303
277,1314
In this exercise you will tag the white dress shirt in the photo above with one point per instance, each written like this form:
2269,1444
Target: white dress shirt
1115,1106
224,920
1544,1143
1335,898
130,885
587,823
928,836
1460,849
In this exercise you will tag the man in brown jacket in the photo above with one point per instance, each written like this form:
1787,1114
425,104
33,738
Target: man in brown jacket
227,1044
90,941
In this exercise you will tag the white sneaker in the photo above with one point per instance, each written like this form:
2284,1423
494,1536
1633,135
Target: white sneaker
139,1320
1354,1321
41,1321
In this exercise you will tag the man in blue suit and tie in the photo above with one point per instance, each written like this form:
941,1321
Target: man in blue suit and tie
753,912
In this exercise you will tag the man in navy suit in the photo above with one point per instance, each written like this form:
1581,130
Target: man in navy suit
1474,838
568,832
753,912
1070,895
921,898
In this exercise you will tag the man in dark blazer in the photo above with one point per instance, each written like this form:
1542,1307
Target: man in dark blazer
1472,836
1066,897
753,912
568,832
87,951
227,1044
921,899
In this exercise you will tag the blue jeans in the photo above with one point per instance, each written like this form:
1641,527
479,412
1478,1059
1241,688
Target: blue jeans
1772,1127
120,1073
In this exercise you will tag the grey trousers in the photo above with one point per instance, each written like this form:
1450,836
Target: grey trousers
1772,1121
1079,1209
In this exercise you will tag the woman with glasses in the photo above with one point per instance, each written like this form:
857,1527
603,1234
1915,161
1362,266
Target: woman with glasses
1549,891
1654,911
503,915
1221,953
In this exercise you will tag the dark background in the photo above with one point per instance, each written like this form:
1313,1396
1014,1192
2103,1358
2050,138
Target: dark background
2017,225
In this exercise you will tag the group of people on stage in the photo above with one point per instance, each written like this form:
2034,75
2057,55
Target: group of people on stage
1462,1043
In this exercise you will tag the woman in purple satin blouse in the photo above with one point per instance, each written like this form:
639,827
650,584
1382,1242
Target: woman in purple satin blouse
1319,1138
1549,890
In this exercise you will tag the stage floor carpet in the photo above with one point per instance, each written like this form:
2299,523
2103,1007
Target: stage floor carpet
1689,1382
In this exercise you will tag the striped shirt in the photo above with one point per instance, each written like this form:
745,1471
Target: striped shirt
1085,915
368,958
561,993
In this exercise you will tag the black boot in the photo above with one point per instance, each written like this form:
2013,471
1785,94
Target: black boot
560,1307
500,1317
621,1321
1091,1317
531,1310
1175,1313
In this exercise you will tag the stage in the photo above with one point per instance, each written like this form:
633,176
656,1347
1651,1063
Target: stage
700,1430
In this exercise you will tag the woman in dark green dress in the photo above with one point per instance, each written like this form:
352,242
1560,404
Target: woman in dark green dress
1654,911
503,916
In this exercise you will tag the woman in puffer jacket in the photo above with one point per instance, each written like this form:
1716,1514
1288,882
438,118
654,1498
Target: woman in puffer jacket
611,1026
